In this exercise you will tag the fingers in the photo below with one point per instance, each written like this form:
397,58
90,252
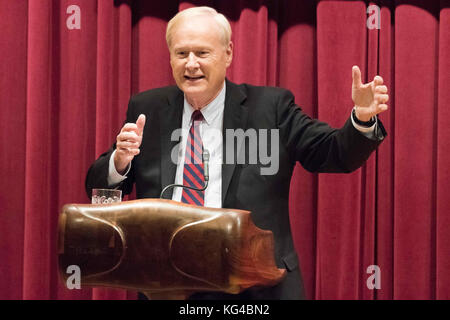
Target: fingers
130,136
356,76
128,145
380,95
129,139
128,142
137,127
365,114
375,93
381,98
381,89
377,81
382,107
127,154
140,123
130,127
128,148
131,133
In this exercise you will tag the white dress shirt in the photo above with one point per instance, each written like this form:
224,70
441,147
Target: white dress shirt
211,134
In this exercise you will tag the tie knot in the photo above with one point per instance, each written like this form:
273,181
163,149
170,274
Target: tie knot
197,115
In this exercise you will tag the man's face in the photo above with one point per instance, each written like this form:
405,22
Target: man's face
199,58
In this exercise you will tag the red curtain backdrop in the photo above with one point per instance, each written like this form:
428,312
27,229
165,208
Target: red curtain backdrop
64,94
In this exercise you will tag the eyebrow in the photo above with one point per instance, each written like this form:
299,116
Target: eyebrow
196,48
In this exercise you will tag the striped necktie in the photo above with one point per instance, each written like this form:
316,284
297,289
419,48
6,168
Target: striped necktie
193,174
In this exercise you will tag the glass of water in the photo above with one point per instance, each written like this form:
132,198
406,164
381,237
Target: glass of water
106,196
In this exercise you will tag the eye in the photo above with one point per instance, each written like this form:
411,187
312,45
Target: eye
181,54
202,53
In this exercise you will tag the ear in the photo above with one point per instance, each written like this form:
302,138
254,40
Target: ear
229,52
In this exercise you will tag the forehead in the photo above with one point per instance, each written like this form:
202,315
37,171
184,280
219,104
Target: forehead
196,31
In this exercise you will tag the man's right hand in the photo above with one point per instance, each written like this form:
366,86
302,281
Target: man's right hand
127,143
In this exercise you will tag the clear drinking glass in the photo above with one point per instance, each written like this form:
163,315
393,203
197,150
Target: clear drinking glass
106,196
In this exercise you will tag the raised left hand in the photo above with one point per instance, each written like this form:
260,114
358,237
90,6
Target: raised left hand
370,98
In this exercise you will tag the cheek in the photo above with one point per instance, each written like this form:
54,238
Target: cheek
177,67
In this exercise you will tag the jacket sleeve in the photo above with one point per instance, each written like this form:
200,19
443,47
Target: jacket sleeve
317,146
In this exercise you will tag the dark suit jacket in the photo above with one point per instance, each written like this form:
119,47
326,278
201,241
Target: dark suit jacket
318,147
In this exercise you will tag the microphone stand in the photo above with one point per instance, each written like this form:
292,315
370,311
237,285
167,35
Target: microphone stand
206,174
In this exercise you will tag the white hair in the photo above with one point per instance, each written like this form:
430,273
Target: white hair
221,20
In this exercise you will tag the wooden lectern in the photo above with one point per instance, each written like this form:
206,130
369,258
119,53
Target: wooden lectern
165,249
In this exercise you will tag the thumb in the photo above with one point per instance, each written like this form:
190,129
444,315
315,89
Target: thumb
356,76
140,122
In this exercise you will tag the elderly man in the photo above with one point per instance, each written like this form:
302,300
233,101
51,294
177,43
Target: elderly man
203,103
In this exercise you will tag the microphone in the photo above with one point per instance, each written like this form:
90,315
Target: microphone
205,157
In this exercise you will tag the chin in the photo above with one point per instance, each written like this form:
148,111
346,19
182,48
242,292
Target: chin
190,89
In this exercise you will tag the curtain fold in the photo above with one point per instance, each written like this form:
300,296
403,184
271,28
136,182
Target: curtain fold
414,173
64,95
443,157
13,98
40,194
384,219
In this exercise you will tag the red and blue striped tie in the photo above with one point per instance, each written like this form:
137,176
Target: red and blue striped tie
193,173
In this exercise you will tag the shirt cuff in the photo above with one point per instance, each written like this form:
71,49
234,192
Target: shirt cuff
114,178
367,131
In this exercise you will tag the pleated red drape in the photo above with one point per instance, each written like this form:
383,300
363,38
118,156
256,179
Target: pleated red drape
64,94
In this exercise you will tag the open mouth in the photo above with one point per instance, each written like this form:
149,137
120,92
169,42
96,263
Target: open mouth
193,78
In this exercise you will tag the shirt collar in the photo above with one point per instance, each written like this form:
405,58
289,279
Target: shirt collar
211,110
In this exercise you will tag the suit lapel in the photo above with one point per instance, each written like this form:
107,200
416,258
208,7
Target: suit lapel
235,117
170,120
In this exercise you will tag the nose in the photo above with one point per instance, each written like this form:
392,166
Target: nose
192,62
